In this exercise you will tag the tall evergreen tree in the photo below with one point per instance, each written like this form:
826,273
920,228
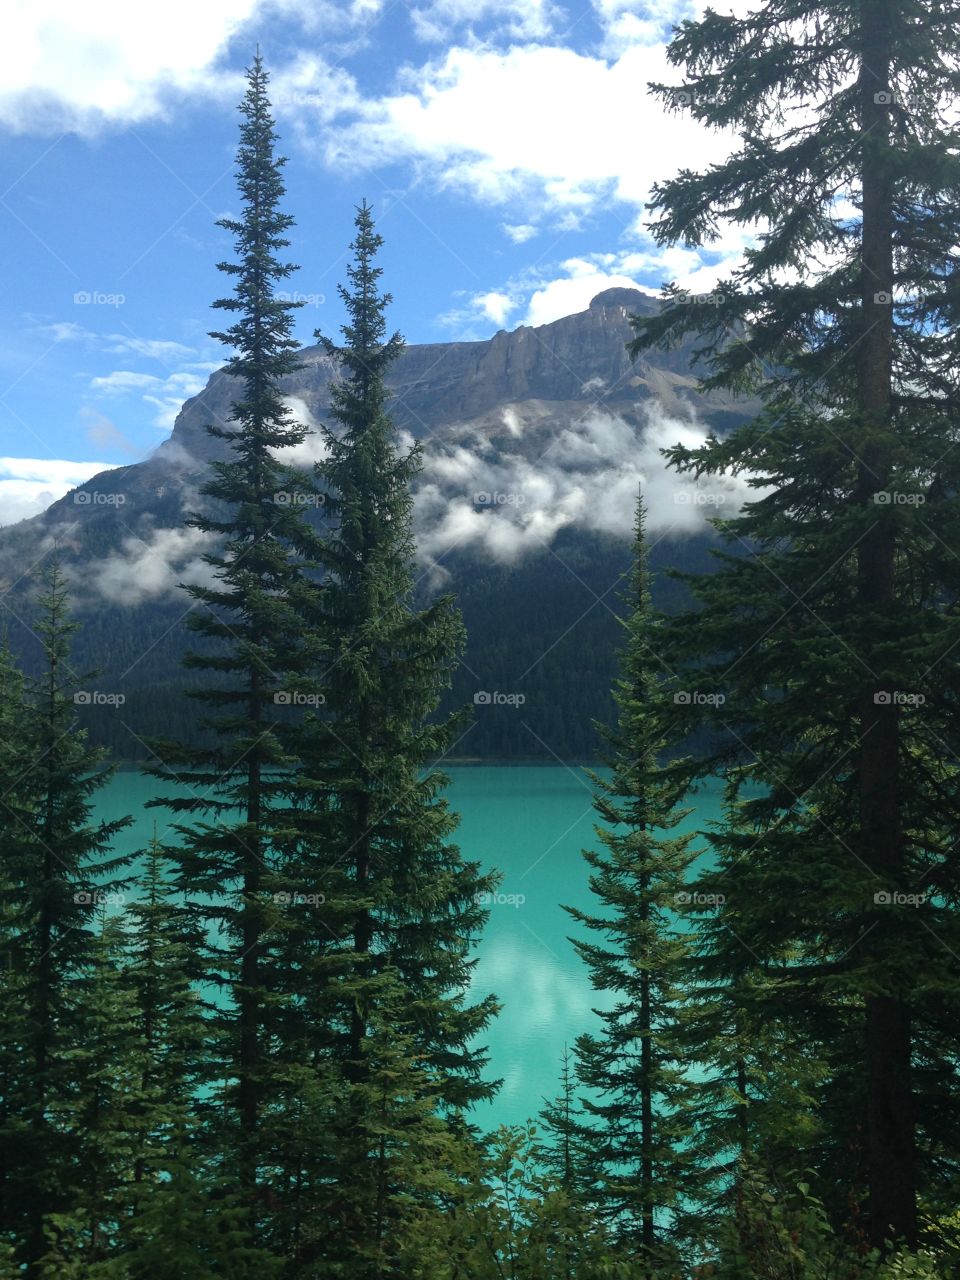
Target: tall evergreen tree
251,617
100,1106
633,1069
16,796
843,620
56,862
163,968
388,944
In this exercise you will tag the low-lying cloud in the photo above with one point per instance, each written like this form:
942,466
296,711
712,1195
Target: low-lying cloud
152,566
501,489
505,505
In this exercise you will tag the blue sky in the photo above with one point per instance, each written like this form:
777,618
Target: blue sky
508,148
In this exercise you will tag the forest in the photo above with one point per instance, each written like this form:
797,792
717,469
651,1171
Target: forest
253,1048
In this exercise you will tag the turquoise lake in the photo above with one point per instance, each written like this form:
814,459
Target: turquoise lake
531,822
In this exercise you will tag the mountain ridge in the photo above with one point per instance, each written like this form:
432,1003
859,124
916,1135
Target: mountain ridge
535,441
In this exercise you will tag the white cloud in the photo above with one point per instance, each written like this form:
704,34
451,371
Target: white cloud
309,92
506,505
537,123
123,380
68,66
171,392
313,446
152,348
153,566
571,285
165,394
437,20
64,331
520,232
29,485
572,292
495,306
78,68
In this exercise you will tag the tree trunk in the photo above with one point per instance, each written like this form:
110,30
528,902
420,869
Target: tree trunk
889,1117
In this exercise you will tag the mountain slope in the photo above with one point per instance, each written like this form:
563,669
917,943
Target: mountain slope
534,444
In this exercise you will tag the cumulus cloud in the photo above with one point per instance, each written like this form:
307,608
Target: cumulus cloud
65,67
468,117
152,566
30,485
495,306
505,504
572,292
70,67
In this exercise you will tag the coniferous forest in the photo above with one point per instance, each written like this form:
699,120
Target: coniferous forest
253,1048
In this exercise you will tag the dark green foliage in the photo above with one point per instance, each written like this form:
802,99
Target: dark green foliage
377,911
635,1074
56,865
251,616
832,643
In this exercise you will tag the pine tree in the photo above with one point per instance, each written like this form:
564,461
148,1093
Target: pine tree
758,1103
162,968
252,619
566,1150
100,1105
15,1085
390,894
56,872
633,1069
843,617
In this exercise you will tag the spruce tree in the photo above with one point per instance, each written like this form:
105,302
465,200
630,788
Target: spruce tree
832,636
633,1069
15,1086
163,969
56,872
251,619
100,1106
567,1148
386,949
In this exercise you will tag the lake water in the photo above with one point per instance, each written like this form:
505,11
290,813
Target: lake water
531,822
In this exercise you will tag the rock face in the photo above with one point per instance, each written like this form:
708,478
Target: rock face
534,444
575,361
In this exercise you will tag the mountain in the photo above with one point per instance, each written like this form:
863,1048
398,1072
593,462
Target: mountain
534,444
